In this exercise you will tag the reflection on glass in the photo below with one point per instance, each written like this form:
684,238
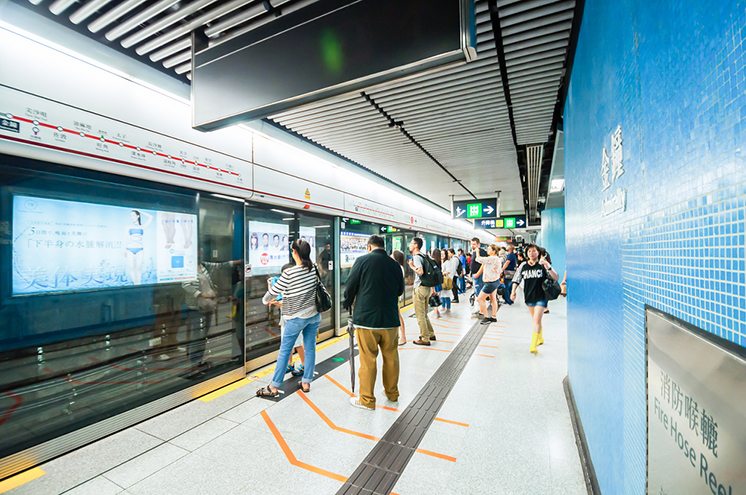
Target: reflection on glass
116,292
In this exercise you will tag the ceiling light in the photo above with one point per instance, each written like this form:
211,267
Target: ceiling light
282,211
557,185
238,200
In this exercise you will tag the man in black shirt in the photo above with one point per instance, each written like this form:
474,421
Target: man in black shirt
374,286
509,268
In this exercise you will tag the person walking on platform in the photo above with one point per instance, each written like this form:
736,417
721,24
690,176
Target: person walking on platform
399,257
298,288
373,287
436,256
490,272
532,273
509,268
476,251
421,293
456,271
464,271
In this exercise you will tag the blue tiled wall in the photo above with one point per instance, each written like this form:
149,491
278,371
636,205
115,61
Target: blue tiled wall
552,237
671,76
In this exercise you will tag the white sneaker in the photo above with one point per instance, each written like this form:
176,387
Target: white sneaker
392,403
356,403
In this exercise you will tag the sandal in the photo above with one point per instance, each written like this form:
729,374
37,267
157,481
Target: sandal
402,343
267,392
298,372
305,390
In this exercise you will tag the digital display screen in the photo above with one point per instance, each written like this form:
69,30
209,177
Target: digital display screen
269,246
66,246
352,246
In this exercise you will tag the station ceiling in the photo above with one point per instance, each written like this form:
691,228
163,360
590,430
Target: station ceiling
467,131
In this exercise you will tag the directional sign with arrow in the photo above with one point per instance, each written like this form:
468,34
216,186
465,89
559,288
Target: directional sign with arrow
506,222
475,209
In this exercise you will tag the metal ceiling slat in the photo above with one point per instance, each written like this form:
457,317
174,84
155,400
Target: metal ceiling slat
138,19
59,6
171,49
480,82
519,65
188,27
183,68
165,22
536,24
537,33
536,57
560,36
463,121
544,79
479,66
263,19
87,10
436,133
528,15
360,106
178,59
120,10
522,6
490,95
540,48
442,82
536,70
340,101
474,102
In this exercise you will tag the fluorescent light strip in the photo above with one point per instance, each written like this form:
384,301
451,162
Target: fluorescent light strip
237,200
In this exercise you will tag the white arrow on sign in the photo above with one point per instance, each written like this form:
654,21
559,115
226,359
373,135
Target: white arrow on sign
489,209
519,222
459,211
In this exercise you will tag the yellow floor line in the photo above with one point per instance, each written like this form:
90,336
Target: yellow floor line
262,373
21,479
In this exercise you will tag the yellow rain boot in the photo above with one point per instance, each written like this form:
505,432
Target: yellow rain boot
540,339
534,340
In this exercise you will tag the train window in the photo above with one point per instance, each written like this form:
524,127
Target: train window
114,292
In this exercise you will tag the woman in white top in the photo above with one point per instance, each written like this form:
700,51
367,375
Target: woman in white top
490,272
450,264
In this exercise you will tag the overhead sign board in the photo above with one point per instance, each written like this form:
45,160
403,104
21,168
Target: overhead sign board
696,410
475,208
506,222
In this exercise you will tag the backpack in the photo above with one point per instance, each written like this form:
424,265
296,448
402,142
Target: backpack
459,268
431,272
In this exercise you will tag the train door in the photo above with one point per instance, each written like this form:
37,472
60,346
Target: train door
270,233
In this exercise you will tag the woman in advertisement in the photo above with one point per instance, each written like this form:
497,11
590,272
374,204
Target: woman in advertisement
139,221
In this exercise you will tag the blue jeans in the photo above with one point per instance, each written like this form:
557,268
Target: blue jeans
461,284
506,294
477,285
445,301
293,327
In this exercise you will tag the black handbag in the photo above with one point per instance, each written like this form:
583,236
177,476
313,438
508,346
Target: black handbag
552,289
323,299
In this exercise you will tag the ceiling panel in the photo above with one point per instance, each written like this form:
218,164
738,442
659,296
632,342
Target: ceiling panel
440,134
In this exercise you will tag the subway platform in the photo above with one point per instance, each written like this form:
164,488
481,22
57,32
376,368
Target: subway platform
503,428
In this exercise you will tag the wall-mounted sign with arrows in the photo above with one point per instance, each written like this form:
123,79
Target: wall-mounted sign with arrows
475,208
506,222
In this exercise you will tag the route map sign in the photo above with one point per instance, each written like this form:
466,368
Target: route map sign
506,222
475,208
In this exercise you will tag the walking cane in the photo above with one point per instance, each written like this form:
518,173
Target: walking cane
351,334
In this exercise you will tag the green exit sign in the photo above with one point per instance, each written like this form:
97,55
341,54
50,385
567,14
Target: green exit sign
474,210
510,222
354,221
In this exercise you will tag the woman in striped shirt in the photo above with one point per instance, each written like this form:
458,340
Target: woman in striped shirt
298,288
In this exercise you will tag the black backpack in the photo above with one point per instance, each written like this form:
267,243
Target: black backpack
459,268
432,275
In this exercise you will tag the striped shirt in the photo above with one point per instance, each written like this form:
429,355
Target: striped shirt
298,288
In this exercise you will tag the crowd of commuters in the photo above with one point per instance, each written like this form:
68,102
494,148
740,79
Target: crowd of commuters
372,292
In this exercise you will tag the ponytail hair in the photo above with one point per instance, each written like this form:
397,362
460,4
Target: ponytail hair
304,252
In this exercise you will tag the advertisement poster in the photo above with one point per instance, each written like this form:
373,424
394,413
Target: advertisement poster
63,246
269,247
352,246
